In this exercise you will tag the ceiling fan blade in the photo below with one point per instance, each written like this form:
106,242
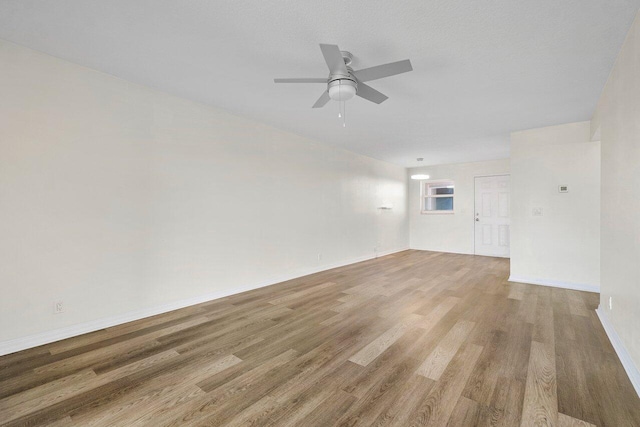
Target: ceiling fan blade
302,80
333,58
370,94
385,70
321,102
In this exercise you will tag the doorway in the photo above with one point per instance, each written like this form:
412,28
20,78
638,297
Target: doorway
492,217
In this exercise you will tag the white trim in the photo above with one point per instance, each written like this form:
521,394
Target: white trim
23,343
414,248
494,256
625,358
424,196
491,174
437,212
556,284
444,251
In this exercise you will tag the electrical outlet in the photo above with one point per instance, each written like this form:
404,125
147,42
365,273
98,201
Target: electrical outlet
610,303
58,307
537,211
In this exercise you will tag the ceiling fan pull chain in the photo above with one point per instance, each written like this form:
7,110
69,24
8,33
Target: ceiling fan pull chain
340,95
344,114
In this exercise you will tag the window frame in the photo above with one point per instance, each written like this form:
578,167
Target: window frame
424,196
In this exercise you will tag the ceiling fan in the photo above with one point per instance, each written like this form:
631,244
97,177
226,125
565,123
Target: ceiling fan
344,83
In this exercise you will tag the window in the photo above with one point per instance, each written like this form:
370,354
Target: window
437,197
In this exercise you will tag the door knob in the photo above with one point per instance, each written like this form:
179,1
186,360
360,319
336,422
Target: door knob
477,219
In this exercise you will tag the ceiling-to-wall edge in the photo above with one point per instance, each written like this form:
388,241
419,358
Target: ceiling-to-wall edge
205,105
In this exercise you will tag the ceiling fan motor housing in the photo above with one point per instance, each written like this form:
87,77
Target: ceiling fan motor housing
347,56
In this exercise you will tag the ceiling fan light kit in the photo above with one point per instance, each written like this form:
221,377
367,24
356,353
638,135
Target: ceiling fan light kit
344,83
342,89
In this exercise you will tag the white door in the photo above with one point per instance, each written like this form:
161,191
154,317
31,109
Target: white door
492,216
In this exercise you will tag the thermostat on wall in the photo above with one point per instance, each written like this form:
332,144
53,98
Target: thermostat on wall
563,189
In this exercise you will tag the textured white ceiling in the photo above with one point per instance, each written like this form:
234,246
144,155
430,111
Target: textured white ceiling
481,68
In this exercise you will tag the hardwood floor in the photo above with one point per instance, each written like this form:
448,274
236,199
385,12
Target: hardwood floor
411,339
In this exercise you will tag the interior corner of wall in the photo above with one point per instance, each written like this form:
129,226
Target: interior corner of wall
595,131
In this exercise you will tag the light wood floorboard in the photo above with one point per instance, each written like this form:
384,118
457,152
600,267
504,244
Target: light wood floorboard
411,339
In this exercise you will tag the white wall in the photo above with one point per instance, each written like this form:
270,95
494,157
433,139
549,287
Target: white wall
117,198
617,121
449,232
561,247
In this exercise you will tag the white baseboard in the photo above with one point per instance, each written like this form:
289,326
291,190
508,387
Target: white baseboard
23,343
413,248
556,284
625,358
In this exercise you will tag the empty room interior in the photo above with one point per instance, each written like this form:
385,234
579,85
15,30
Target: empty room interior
320,213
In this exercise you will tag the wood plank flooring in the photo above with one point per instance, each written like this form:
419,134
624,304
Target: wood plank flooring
411,339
